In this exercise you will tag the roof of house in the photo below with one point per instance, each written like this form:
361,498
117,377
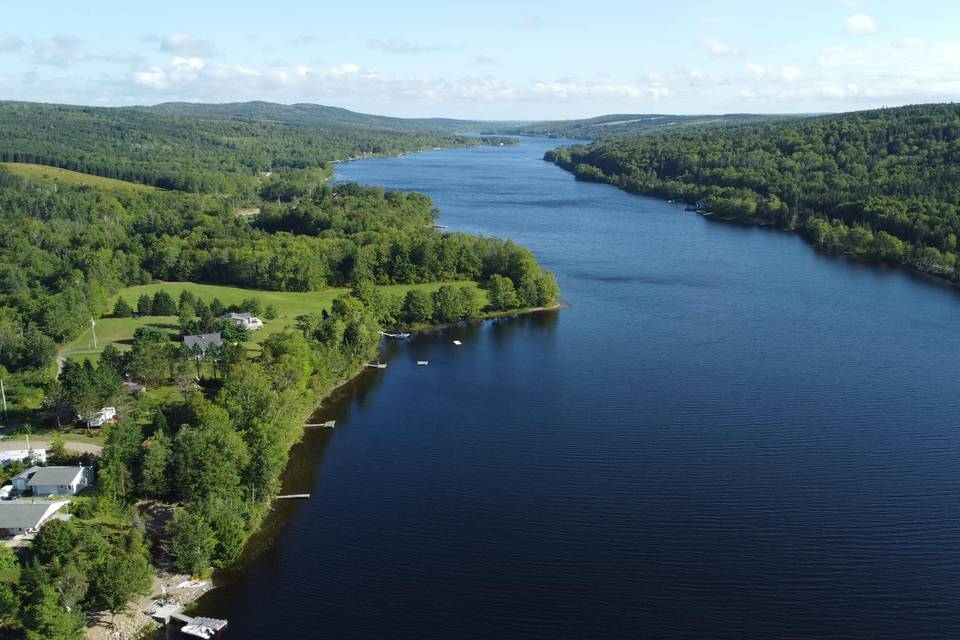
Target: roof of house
46,476
25,515
204,341
26,473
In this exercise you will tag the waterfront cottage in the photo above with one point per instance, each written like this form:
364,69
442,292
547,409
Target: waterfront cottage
53,481
26,518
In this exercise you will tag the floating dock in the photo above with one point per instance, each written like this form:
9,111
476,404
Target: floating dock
329,424
294,496
198,627
377,365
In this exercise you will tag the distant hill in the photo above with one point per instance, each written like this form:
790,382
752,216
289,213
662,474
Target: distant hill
627,123
317,115
207,147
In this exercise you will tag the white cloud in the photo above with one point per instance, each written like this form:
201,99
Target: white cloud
860,23
785,74
184,44
59,50
718,48
844,56
840,91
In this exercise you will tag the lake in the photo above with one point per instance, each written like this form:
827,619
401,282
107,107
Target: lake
726,435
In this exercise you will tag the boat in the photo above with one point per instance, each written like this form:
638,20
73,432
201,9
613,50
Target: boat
457,342
422,363
198,631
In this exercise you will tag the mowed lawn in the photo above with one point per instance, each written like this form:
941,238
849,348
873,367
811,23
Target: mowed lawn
289,305
72,177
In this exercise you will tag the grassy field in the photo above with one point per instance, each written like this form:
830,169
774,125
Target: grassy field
289,305
72,177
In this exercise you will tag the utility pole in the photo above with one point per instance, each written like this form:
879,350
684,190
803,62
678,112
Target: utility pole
93,328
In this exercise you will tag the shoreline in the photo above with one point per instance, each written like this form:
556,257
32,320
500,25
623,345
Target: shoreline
134,624
752,221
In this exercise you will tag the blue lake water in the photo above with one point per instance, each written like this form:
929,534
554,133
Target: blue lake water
726,435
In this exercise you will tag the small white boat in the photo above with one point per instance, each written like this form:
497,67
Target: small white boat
457,342
198,631
422,363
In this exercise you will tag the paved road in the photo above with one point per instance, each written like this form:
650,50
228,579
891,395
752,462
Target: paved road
79,447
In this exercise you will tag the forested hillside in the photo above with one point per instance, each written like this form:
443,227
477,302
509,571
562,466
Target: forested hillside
191,465
625,124
884,183
64,249
315,115
202,150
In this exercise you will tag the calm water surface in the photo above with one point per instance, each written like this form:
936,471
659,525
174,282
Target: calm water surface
726,436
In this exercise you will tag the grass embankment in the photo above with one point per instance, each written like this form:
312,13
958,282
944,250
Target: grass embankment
288,305
43,172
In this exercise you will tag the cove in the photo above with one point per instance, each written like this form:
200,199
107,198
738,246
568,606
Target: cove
726,435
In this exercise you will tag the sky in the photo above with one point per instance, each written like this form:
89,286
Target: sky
487,60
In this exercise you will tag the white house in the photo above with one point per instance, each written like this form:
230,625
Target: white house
26,518
102,417
245,320
53,481
22,455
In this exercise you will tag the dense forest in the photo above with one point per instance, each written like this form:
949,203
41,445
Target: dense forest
316,115
213,152
624,124
191,467
883,184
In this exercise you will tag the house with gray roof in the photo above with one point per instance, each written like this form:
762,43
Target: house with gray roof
53,481
203,341
25,518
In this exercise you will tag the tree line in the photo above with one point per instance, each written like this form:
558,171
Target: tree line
883,184
65,250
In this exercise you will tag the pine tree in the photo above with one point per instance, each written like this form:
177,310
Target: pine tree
122,309
145,305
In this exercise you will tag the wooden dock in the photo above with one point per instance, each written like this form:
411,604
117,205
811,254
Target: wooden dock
329,424
294,496
377,365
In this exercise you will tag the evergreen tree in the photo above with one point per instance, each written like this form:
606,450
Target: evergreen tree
122,309
163,304
145,305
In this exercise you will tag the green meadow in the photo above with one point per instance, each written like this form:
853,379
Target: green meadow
288,305
43,172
